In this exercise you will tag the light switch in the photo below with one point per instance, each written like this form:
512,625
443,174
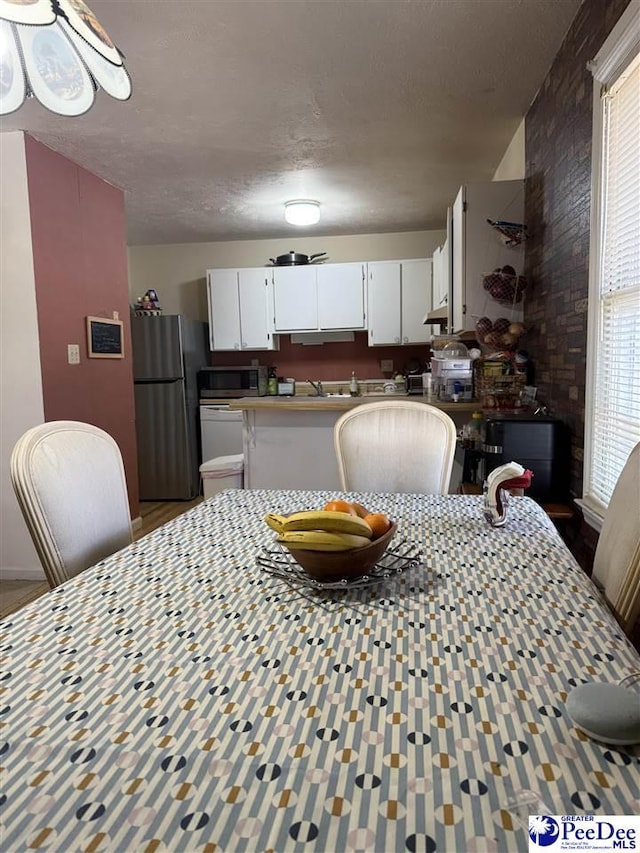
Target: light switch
386,365
73,353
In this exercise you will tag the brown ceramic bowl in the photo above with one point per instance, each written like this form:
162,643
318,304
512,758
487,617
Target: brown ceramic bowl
343,565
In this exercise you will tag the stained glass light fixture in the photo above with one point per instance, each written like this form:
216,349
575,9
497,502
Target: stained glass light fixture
57,52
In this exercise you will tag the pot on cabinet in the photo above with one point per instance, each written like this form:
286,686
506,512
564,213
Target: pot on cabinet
294,259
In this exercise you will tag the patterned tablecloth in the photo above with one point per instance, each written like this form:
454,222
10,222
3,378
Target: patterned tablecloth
176,697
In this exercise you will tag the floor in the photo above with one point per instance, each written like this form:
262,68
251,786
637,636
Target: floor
14,594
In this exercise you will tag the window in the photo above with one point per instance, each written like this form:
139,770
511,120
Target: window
612,415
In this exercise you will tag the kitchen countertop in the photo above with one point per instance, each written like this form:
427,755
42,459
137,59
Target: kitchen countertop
300,403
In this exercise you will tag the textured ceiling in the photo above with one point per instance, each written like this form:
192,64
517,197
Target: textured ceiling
379,109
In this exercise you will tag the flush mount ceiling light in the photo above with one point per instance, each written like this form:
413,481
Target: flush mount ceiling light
56,51
302,212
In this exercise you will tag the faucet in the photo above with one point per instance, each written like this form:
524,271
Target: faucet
318,386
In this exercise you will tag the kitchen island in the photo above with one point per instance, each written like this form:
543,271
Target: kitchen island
288,441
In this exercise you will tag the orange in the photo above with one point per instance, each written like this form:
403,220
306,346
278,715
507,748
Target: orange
339,506
361,511
378,522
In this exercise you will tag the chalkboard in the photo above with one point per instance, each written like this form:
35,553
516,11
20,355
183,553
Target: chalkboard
104,338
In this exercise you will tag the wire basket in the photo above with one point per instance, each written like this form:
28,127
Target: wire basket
512,233
498,386
504,288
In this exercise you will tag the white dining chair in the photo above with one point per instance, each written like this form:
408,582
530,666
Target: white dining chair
395,446
70,483
616,565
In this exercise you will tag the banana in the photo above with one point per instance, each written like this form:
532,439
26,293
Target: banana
275,521
321,519
322,540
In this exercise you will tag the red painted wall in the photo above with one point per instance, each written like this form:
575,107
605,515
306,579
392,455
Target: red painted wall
80,266
331,361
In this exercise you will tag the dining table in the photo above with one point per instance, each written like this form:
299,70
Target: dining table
197,691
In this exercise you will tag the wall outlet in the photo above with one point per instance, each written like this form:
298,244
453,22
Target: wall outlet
73,353
386,365
255,362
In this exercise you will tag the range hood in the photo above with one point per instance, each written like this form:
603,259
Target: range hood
438,315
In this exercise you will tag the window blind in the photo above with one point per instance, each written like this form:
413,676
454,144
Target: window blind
615,425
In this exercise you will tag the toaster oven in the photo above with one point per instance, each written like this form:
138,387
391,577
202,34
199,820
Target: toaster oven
414,384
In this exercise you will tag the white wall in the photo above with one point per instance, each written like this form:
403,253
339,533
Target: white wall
512,165
177,272
21,402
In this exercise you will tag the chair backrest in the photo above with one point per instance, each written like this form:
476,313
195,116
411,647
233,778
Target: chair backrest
70,482
616,565
395,446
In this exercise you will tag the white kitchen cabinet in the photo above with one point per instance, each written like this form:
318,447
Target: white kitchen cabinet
315,298
441,290
341,296
295,294
383,303
240,309
398,296
415,297
477,249
441,273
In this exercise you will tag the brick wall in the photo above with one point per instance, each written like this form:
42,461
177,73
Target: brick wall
557,201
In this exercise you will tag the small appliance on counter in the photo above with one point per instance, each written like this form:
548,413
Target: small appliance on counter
451,378
218,382
452,373
286,387
414,383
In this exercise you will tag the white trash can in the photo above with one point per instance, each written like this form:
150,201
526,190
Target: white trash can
222,472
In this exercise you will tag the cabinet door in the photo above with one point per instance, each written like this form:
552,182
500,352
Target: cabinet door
341,296
416,301
458,237
383,303
224,309
441,276
295,299
255,322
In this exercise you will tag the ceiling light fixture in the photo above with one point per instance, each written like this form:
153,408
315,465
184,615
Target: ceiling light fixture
302,212
56,51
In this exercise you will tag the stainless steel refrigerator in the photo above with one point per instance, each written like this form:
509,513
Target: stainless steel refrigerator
168,350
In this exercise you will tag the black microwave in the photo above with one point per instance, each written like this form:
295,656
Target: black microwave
232,382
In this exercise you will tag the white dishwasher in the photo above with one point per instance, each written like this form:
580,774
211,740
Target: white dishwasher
220,431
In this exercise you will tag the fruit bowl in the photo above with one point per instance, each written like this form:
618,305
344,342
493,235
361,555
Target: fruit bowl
338,565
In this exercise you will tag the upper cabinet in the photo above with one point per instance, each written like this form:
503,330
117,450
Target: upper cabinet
249,308
312,298
295,297
478,249
398,294
240,309
341,296
383,303
442,277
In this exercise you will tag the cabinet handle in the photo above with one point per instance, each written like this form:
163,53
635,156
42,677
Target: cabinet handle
236,346
405,340
397,340
244,346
